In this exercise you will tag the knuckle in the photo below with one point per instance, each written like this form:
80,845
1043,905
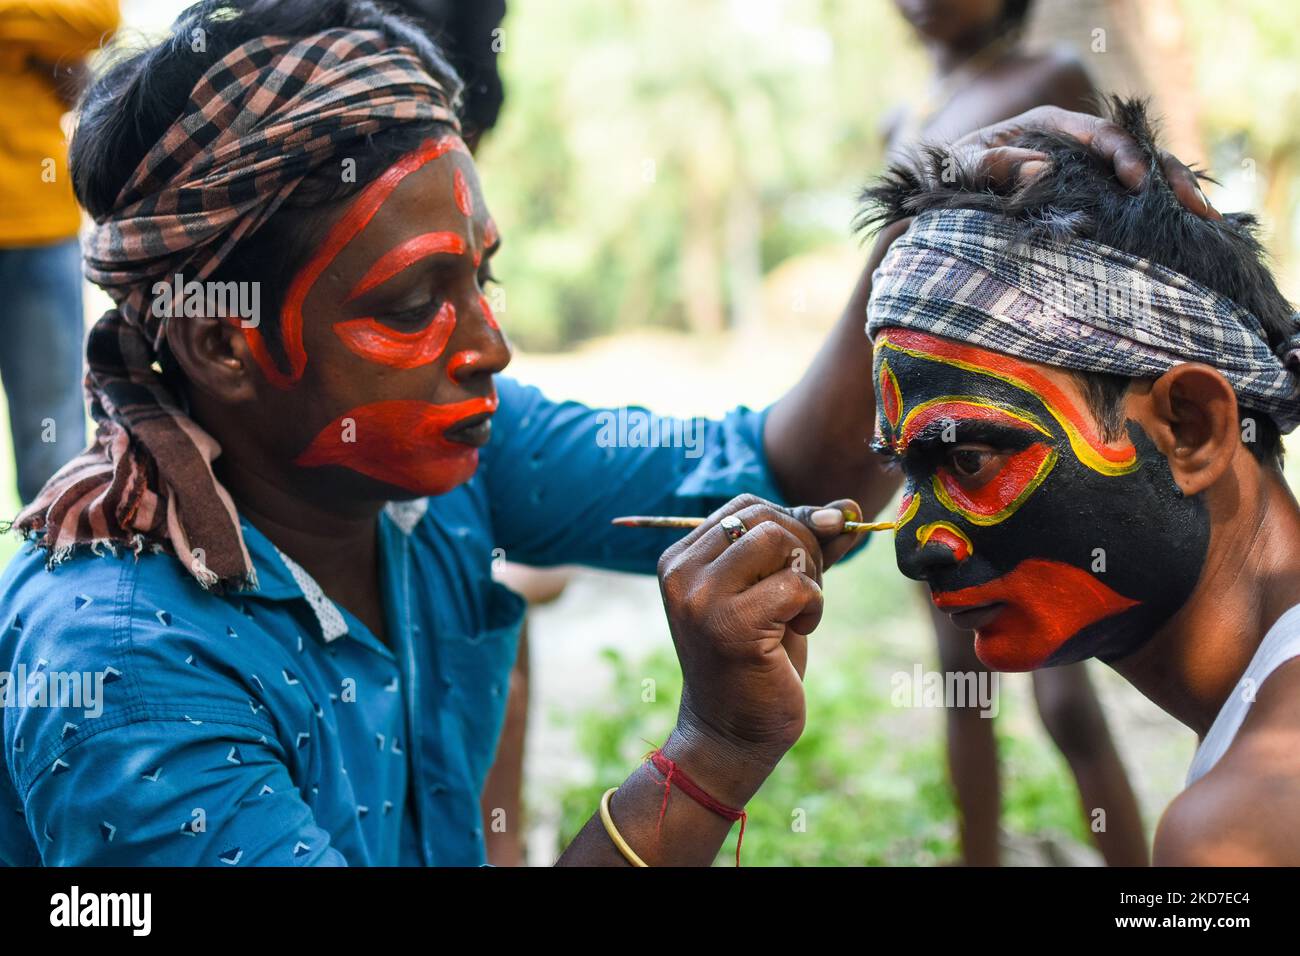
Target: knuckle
671,576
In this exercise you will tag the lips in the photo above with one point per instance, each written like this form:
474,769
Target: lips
1045,603
409,444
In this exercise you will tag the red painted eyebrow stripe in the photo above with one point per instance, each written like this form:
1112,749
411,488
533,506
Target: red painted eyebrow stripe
409,252
376,342
356,218
957,411
1004,365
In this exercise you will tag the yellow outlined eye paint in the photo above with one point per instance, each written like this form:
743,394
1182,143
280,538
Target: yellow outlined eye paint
964,408
1087,445
999,499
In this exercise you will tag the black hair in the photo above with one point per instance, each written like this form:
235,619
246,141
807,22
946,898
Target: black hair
1080,197
130,106
468,31
1015,13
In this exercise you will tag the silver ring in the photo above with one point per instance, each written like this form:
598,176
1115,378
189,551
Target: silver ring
732,527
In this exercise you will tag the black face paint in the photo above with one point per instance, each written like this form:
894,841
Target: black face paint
1051,544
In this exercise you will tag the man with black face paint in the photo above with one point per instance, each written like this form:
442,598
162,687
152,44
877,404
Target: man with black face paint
1084,388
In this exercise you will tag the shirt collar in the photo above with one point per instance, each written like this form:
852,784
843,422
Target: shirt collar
280,578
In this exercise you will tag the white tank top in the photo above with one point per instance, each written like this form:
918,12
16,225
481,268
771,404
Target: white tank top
1280,644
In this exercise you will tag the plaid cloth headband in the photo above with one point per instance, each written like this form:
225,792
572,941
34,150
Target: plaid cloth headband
970,275
256,124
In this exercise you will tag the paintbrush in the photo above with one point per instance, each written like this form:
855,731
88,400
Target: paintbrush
663,521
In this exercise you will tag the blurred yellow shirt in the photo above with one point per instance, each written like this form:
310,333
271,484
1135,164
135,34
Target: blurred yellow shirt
36,202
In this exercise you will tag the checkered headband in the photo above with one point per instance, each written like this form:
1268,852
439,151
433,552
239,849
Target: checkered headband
256,124
973,276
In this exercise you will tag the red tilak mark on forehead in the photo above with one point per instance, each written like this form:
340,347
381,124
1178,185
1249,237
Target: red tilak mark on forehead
401,443
460,360
464,198
1047,603
356,218
376,342
487,312
1018,374
409,252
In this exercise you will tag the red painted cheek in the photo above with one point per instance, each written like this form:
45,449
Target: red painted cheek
460,360
1045,604
376,342
464,198
401,443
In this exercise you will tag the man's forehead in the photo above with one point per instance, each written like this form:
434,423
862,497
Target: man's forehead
924,366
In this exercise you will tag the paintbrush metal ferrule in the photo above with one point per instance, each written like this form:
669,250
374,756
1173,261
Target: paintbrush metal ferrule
672,521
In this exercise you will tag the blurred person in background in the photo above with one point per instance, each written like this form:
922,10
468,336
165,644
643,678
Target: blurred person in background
982,74
43,44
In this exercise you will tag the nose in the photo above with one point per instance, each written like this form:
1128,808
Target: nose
932,548
483,347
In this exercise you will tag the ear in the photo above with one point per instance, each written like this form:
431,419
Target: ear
214,355
1196,426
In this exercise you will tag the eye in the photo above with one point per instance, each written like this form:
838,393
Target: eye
486,276
412,317
968,461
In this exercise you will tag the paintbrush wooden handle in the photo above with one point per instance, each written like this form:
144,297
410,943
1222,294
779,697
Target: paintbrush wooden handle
669,521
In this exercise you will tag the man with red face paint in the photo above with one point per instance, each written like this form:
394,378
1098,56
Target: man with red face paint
1085,387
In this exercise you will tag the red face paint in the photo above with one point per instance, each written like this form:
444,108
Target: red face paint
359,214
401,443
946,534
408,253
376,342
1078,425
464,198
1001,495
1045,603
891,400
487,312
460,360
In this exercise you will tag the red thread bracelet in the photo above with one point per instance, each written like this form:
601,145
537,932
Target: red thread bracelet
671,771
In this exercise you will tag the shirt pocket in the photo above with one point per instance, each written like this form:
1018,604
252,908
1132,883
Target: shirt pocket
476,674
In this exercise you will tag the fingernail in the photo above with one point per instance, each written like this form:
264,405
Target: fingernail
1204,199
826,519
1031,169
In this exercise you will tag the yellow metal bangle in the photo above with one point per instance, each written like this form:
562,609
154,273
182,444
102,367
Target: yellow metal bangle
628,853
